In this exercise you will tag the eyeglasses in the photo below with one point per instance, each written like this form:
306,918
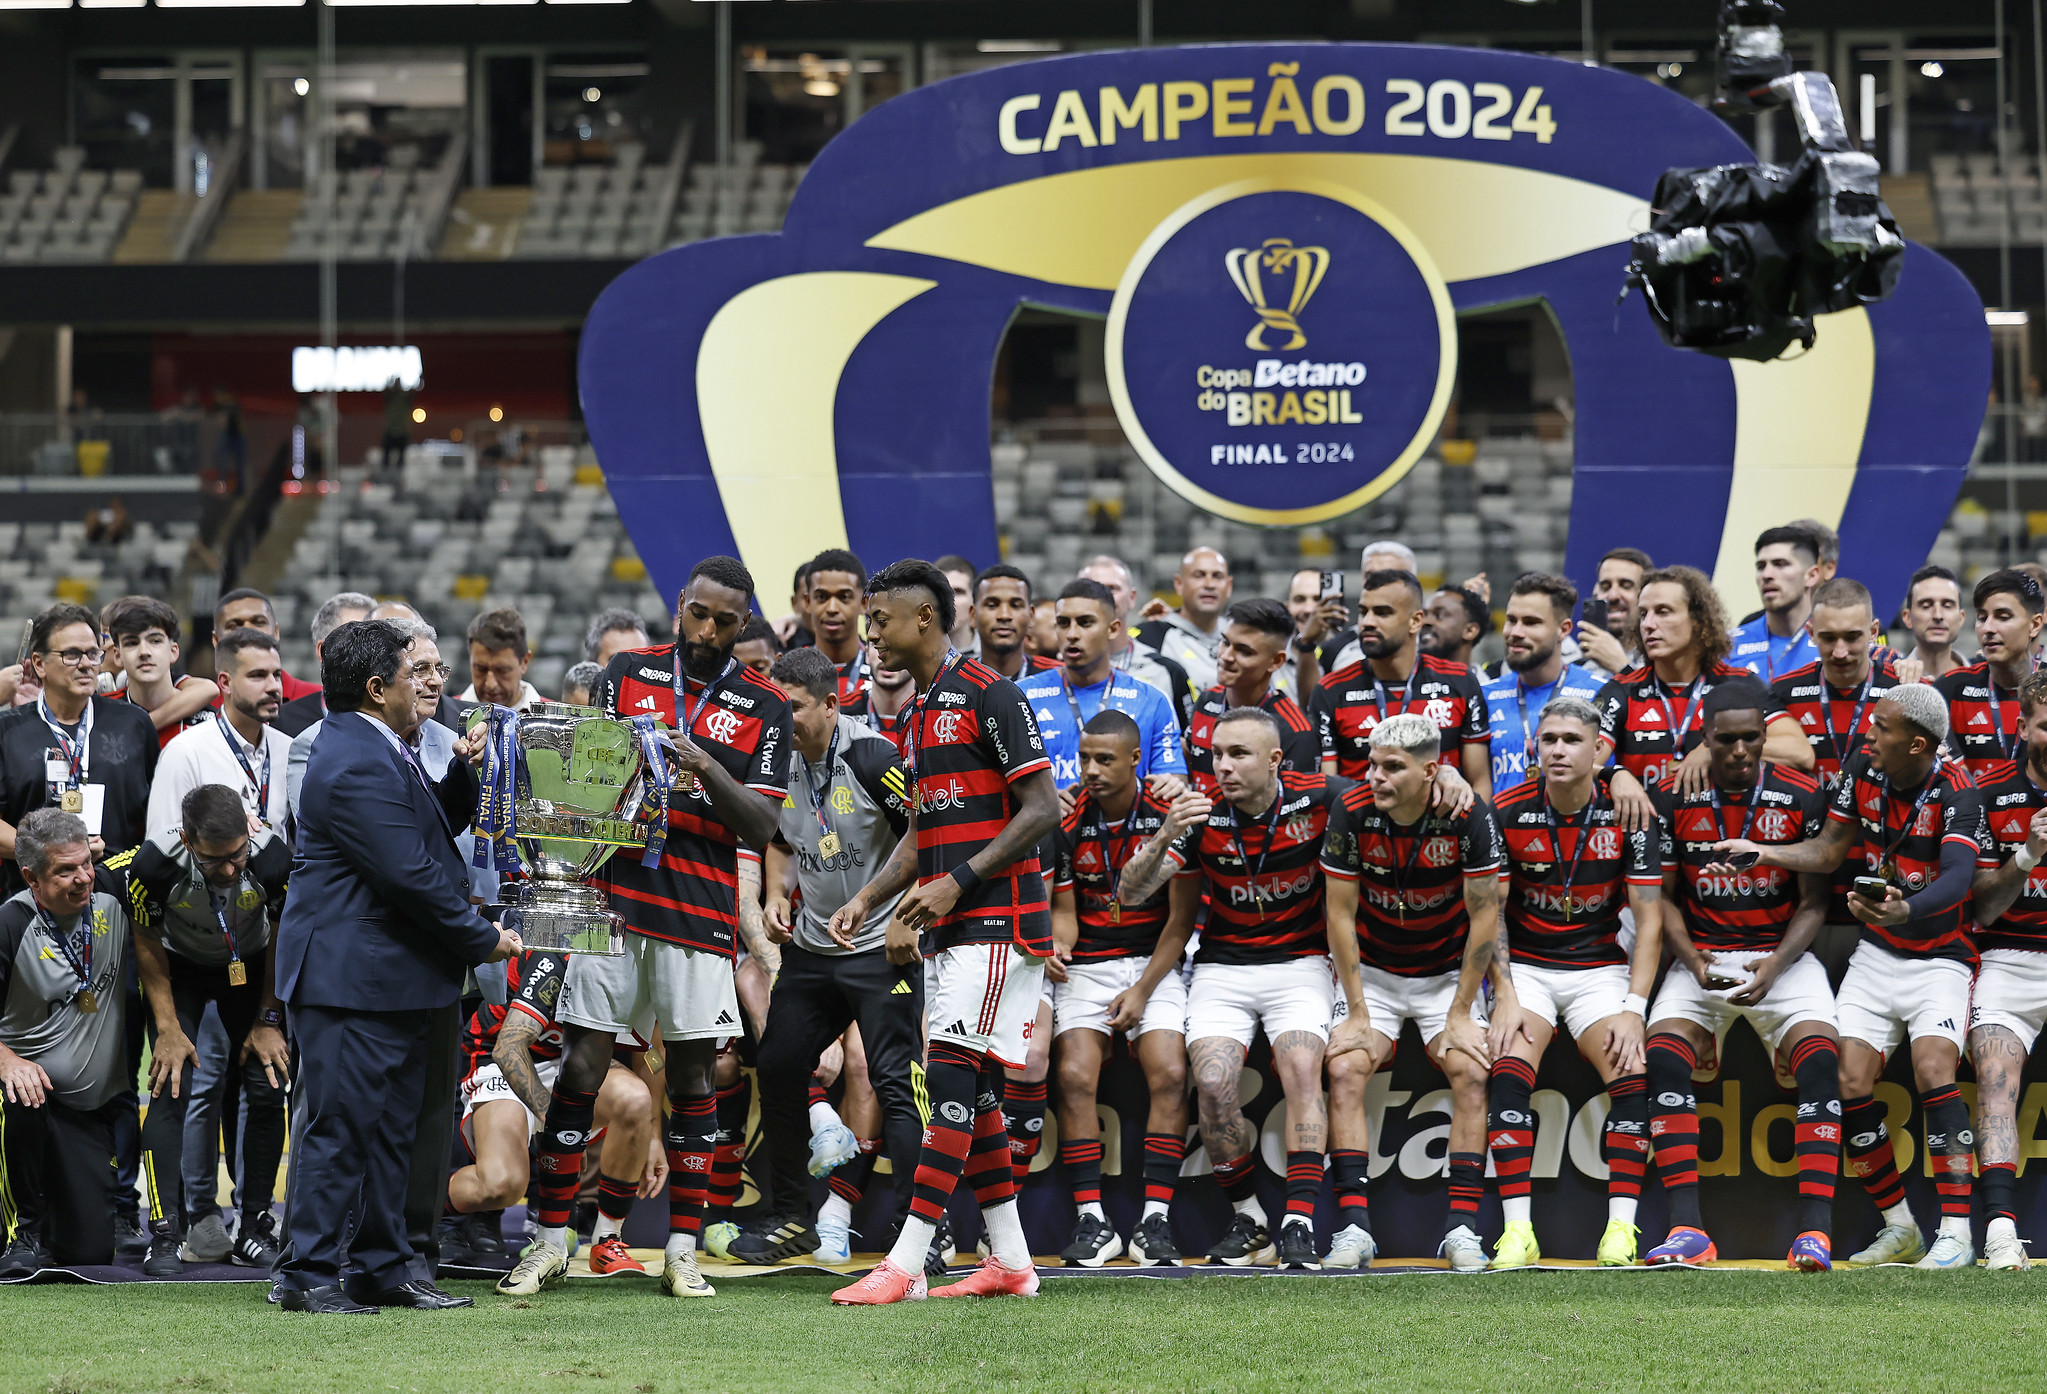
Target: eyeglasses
240,853
423,671
77,658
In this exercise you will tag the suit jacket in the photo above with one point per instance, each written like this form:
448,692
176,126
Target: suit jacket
295,716
378,915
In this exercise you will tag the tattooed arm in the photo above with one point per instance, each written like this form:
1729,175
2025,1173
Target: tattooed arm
514,1056
1822,853
1149,870
753,925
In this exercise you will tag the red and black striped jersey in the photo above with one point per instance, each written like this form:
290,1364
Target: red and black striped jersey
973,737
1835,720
1300,747
896,728
1653,726
1747,909
1264,874
1090,851
2010,799
533,984
1411,918
1565,876
1350,702
1982,717
692,897
1901,837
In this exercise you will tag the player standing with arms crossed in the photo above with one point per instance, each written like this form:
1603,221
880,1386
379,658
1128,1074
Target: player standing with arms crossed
984,800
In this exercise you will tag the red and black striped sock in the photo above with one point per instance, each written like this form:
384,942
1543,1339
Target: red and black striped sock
615,1196
989,1169
728,1155
560,1163
1869,1152
1350,1172
1081,1157
1950,1145
2000,1183
1674,1124
1467,1188
817,1093
1627,1137
1303,1185
949,1075
1816,1064
1164,1153
691,1138
1511,1128
1238,1178
849,1180
1023,1113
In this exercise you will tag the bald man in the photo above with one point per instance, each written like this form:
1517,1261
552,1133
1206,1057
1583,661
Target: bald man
1189,635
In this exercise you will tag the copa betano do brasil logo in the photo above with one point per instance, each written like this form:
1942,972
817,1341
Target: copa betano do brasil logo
1333,388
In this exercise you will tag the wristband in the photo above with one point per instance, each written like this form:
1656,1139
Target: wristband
965,877
2025,859
1638,1004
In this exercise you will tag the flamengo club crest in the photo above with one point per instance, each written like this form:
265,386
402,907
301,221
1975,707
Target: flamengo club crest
945,726
721,725
1773,825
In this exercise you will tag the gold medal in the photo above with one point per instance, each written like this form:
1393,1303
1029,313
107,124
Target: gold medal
237,973
828,845
72,801
88,1001
1115,910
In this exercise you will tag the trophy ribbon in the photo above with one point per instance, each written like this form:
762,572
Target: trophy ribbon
654,794
496,847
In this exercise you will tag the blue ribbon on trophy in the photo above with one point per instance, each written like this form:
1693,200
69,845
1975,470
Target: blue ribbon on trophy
496,849
654,793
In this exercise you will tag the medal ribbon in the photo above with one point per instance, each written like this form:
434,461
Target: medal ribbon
261,786
1123,836
1748,820
234,949
654,789
1414,856
77,754
1556,837
915,713
1527,735
817,799
1271,833
80,964
1883,784
1677,728
1854,722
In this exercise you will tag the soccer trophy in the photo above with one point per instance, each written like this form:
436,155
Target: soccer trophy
563,788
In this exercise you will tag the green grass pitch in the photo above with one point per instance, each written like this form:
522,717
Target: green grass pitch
1889,1328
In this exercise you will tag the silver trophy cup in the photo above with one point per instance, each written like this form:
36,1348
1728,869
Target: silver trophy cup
575,793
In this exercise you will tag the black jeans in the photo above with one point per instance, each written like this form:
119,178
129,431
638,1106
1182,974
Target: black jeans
193,985
816,998
60,1176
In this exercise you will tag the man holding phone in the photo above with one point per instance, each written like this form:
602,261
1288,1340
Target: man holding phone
1912,820
1743,941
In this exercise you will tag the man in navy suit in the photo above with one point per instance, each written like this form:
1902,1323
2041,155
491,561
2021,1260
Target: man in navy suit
376,934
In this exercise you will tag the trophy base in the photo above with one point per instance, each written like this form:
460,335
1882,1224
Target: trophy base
566,919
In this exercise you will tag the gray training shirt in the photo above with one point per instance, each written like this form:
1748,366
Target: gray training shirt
84,1053
865,800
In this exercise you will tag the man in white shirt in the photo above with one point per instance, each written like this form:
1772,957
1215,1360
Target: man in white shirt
498,659
239,747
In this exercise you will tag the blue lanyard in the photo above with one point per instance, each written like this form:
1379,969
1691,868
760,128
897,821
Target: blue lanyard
1755,798
831,755
915,748
81,963
234,949
1556,837
1770,654
261,786
1854,724
1521,695
1677,730
1883,809
1073,700
682,692
1251,874
1407,692
77,754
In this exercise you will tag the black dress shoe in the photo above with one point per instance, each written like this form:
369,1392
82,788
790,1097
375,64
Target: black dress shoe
332,1300
420,1295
